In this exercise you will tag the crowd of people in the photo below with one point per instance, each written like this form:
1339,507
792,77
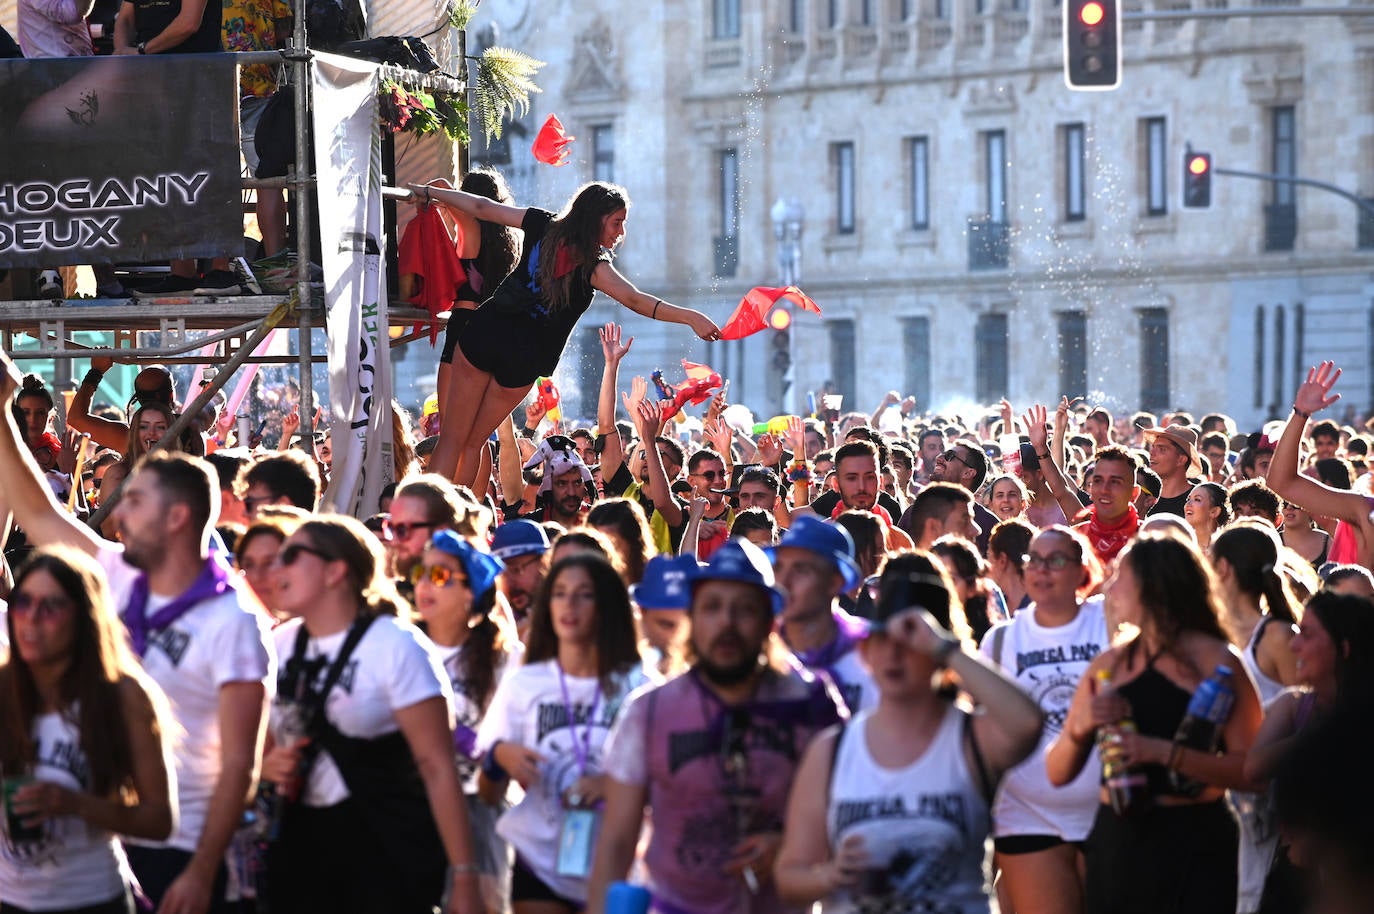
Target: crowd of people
1069,661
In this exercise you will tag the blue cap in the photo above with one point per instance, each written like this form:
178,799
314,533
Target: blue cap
742,561
826,539
482,568
519,537
667,583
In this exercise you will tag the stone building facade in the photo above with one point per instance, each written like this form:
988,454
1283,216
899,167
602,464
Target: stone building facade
972,228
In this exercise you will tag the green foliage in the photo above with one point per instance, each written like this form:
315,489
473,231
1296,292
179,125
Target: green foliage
460,13
505,80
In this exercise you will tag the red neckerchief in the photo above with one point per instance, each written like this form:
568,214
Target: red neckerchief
1106,540
877,509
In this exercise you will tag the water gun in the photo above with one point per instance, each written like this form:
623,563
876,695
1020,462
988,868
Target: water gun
665,390
774,426
548,398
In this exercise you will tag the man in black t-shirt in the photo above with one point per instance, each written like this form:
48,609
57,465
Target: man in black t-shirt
1174,458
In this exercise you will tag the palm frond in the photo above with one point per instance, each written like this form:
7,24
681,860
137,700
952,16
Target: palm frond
505,81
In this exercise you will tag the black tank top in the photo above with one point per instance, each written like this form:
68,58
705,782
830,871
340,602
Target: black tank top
1158,705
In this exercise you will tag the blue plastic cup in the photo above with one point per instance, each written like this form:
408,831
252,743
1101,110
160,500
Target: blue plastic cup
624,898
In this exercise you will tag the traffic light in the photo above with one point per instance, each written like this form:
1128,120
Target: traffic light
1197,180
780,320
1092,44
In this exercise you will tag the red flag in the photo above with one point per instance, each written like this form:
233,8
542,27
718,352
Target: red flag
550,146
751,315
702,382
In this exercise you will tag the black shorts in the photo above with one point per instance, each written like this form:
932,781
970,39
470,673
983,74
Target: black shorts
526,886
457,320
1012,845
158,867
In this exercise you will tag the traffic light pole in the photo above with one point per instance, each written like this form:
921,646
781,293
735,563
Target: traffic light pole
1365,206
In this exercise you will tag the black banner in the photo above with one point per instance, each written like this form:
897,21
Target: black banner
119,159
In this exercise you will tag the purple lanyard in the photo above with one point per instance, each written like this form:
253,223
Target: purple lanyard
581,748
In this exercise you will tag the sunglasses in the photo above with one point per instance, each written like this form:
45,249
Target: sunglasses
953,454
292,551
711,475
1056,561
402,530
23,604
437,575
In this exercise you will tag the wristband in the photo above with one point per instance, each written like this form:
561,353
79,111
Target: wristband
1044,456
491,767
463,869
1304,415
92,377
799,472
527,432
654,315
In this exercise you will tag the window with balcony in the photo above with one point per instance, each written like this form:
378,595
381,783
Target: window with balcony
989,236
1156,166
842,155
724,18
1075,166
918,149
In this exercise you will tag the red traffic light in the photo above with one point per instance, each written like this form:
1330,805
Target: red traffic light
780,318
1198,164
1091,13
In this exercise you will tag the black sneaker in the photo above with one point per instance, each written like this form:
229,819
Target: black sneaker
172,284
219,282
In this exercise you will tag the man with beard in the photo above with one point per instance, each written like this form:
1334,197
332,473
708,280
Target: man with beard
566,487
202,638
814,564
856,489
523,546
713,752
1112,517
963,464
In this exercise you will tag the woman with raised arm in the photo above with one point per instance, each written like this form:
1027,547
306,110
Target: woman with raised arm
518,334
1354,541
890,812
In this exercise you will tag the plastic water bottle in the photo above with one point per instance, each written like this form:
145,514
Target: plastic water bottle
1127,788
1208,712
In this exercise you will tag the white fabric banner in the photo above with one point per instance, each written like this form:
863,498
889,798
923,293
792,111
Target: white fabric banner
348,168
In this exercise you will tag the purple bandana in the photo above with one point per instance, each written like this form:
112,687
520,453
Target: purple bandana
850,631
214,580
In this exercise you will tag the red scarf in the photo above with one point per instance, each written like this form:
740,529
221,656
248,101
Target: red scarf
1106,540
841,507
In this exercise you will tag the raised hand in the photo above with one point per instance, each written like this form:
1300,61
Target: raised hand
1314,395
639,388
770,449
648,420
611,347
719,434
534,413
796,436
1036,429
1008,418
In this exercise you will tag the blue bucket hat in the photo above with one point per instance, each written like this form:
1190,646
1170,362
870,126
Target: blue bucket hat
825,539
742,561
519,537
482,568
667,583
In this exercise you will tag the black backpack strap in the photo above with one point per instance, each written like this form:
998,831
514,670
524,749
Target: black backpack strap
988,788
315,721
834,757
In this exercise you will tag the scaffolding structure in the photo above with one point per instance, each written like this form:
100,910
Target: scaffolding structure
236,325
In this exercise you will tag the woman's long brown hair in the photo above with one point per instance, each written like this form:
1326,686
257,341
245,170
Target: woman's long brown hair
578,231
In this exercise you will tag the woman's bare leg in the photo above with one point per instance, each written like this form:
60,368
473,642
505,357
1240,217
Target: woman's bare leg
459,416
1044,882
496,404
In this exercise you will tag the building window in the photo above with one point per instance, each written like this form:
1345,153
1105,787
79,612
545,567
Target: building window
940,9
727,242
990,355
1280,338
1075,184
603,152
1299,342
904,10
1259,358
866,12
1154,358
1285,145
832,13
796,16
1073,353
916,357
725,18
919,147
1156,167
843,156
842,360
995,165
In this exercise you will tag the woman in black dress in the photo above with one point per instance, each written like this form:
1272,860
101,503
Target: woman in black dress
518,334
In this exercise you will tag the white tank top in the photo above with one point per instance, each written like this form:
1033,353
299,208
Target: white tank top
73,864
1047,664
1268,688
923,826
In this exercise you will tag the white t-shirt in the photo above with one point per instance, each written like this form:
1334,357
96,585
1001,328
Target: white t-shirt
1047,664
219,641
393,667
855,682
468,710
528,709
74,864
923,826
